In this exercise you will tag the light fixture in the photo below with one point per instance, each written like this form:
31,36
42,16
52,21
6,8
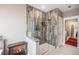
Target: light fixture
69,6
43,7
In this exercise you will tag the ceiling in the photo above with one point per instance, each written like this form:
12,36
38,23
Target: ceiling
62,7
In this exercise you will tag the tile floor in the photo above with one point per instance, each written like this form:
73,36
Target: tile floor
47,49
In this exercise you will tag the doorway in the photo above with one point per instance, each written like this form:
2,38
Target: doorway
71,32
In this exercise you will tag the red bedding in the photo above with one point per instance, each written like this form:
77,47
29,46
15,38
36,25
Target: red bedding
72,41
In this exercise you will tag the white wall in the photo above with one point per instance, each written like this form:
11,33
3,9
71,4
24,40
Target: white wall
13,22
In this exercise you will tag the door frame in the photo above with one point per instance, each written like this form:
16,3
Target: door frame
73,17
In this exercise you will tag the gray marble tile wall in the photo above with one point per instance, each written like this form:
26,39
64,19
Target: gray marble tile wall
47,27
54,27
36,23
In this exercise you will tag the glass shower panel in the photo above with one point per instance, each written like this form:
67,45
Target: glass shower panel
36,26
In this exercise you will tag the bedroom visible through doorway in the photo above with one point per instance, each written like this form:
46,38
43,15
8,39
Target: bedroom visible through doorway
71,32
